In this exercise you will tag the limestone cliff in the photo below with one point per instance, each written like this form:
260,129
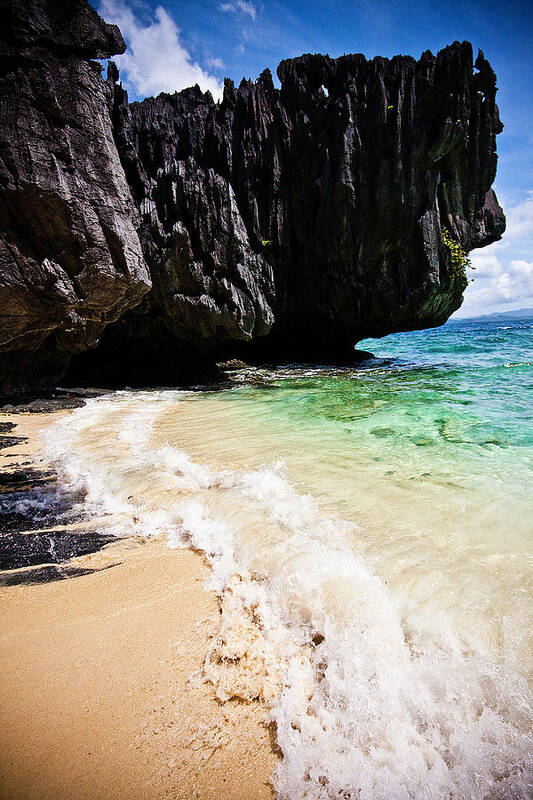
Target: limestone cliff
70,257
279,223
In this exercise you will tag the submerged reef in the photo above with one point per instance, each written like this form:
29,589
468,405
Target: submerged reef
141,242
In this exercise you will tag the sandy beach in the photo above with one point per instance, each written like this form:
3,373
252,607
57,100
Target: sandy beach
96,694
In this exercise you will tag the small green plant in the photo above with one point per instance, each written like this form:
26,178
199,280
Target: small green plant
459,259
264,242
389,108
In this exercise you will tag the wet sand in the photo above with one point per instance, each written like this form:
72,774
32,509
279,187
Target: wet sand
96,696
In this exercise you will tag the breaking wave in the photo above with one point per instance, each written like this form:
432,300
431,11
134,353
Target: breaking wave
368,702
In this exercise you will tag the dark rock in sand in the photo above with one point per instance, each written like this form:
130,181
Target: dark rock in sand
48,547
277,224
48,574
42,404
28,515
11,441
18,480
32,499
32,504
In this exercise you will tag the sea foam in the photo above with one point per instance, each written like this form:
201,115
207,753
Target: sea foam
367,703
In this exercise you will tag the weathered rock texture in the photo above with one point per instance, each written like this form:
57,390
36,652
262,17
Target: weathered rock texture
70,256
279,223
315,211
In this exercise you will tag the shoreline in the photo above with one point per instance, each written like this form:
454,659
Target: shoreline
95,695
313,612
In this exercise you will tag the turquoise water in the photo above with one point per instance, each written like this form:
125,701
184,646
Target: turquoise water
371,541
453,404
463,384
481,373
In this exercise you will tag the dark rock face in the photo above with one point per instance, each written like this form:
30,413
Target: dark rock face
213,281
68,28
311,216
70,256
277,224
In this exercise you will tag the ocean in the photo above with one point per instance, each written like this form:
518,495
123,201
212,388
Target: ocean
370,532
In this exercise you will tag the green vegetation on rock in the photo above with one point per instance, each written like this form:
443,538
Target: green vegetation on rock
459,258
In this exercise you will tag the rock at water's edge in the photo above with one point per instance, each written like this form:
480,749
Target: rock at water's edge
293,223
277,224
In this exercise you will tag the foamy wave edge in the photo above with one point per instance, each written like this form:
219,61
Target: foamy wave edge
364,707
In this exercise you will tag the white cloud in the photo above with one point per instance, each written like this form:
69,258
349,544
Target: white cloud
520,218
239,5
486,262
156,60
503,277
215,63
496,284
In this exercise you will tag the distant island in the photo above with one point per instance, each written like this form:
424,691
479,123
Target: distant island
517,313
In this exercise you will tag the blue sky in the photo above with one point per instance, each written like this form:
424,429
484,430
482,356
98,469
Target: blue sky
174,44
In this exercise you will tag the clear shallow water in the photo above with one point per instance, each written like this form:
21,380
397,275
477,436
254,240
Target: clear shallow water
370,533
